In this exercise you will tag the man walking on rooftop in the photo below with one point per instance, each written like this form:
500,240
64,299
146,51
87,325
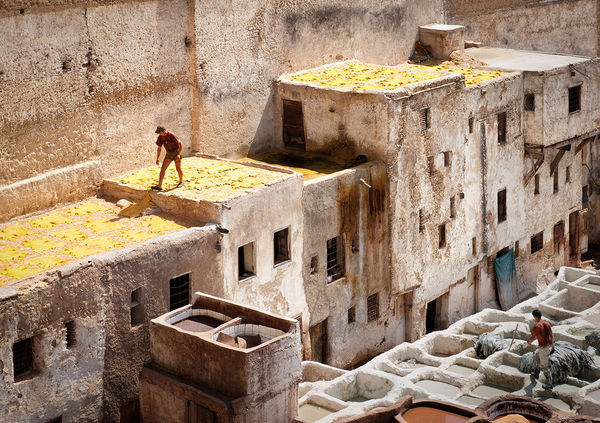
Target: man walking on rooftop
173,152
543,332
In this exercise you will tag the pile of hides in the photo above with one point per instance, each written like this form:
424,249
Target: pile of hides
487,344
565,360
593,340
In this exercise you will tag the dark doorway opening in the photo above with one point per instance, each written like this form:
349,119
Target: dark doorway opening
430,316
293,125
318,341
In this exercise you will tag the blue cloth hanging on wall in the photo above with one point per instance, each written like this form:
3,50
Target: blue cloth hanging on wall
506,280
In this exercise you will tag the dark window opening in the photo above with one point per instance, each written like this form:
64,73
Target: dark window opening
57,420
501,205
502,128
529,103
421,221
22,358
461,195
516,249
536,189
575,99
558,234
351,315
442,231
314,264
179,292
136,309
474,245
70,333
372,307
568,174
431,165
293,124
584,194
246,260
555,185
425,118
281,245
447,158
335,258
470,125
452,207
537,242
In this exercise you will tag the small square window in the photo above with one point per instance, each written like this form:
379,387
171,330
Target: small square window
536,186
425,118
351,314
281,246
501,205
502,128
529,102
574,99
537,242
246,261
442,235
70,335
179,292
136,309
22,358
372,307
335,259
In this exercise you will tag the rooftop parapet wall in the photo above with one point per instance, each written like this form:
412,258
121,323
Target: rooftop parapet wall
232,371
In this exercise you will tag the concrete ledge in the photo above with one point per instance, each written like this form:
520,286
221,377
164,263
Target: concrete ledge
57,186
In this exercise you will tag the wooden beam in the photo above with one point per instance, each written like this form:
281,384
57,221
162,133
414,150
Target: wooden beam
584,143
536,166
556,161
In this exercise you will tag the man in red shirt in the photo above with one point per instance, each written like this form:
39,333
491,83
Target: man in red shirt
542,331
173,152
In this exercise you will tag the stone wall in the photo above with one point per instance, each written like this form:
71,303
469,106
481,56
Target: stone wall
560,26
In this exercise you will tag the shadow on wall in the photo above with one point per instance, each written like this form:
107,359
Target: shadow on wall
263,136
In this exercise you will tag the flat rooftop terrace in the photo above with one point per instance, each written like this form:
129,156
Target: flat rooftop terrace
357,76
519,60
204,178
310,165
54,238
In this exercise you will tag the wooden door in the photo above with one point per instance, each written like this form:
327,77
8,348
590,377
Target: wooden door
318,342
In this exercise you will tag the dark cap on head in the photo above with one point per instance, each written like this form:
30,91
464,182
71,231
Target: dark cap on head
537,313
159,129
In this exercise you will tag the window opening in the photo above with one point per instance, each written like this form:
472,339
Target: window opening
474,245
536,189
568,174
70,333
55,420
452,207
431,165
558,234
537,242
136,308
502,128
421,221
442,233
529,103
22,358
281,244
351,314
574,99
314,264
555,185
335,259
372,307
470,125
501,205
179,292
461,195
516,249
447,158
246,260
293,124
584,194
425,118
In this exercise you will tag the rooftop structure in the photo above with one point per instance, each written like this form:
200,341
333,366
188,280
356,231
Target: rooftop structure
48,240
524,61
226,361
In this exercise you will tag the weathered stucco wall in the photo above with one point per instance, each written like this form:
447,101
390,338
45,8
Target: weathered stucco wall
85,81
561,26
